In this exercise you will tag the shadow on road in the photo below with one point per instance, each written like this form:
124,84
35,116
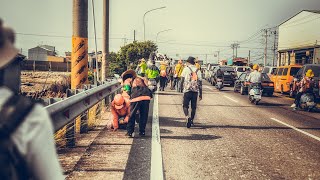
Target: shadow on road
202,126
197,137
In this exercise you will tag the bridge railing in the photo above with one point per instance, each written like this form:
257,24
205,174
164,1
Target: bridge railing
66,112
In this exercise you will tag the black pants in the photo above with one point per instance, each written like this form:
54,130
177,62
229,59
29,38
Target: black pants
143,107
187,97
162,82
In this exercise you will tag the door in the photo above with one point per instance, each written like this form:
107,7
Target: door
277,80
284,79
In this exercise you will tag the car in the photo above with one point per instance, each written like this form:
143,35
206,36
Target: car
242,86
316,70
229,75
269,70
283,76
240,69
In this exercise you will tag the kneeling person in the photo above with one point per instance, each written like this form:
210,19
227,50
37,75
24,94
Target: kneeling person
120,112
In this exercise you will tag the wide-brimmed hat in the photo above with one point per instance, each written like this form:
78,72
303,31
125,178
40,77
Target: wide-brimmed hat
7,50
128,74
118,101
191,60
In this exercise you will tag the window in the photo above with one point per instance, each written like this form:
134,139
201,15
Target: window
273,71
294,71
242,76
266,70
280,72
285,71
265,77
276,71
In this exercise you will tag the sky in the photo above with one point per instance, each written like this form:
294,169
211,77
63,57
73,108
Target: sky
199,27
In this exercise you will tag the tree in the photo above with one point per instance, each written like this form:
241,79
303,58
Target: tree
131,53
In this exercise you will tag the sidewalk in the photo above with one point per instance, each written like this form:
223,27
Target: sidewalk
99,154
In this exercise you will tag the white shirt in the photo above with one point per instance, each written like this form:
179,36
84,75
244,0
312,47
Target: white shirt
254,77
34,140
186,73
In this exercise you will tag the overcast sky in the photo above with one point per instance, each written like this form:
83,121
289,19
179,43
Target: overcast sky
199,27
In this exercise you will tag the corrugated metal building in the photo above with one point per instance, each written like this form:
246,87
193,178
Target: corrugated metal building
299,39
41,53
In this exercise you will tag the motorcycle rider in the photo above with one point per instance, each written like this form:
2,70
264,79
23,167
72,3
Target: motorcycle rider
255,76
305,87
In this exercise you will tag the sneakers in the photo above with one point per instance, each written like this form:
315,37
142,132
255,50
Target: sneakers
142,134
129,135
293,105
189,122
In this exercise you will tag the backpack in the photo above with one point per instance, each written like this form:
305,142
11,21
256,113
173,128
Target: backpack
163,73
13,113
192,84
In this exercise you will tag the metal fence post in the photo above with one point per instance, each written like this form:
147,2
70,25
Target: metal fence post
84,123
70,133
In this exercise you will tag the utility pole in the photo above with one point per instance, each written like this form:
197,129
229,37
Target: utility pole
274,47
249,58
235,46
79,57
134,35
105,40
266,46
206,58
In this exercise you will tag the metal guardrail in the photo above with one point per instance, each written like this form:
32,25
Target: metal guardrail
64,112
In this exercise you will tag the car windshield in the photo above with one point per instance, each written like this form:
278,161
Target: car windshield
265,77
294,71
266,70
242,69
227,69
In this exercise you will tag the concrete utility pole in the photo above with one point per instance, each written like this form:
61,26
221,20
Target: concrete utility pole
79,57
249,58
274,47
134,35
235,46
105,40
265,48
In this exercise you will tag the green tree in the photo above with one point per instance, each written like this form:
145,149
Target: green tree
131,53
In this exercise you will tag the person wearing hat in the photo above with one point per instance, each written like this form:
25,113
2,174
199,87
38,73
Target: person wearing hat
306,86
177,75
142,67
163,75
191,83
28,131
120,112
140,97
255,76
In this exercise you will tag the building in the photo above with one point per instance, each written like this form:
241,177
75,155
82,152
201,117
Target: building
299,37
235,62
92,59
44,53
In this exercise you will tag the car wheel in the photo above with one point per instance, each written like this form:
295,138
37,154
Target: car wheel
241,90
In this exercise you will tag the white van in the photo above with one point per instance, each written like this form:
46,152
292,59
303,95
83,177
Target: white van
241,69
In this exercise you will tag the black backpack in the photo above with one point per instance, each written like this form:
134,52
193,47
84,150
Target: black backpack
12,114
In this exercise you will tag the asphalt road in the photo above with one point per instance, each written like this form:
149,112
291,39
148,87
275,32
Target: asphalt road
234,139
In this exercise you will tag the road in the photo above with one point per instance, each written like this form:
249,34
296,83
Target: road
233,139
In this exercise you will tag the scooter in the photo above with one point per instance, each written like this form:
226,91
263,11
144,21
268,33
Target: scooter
219,85
152,85
307,102
255,93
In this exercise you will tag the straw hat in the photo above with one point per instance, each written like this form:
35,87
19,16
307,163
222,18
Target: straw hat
309,73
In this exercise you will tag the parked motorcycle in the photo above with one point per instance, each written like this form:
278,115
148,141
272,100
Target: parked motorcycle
219,84
152,85
255,93
307,102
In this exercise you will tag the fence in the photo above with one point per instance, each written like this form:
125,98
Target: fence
80,109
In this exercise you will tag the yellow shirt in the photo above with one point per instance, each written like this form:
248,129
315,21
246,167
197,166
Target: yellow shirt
198,66
178,70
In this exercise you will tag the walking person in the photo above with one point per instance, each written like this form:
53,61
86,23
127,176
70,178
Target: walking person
170,75
27,148
177,76
163,75
140,97
191,82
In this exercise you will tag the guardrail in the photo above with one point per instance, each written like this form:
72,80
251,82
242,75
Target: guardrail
64,112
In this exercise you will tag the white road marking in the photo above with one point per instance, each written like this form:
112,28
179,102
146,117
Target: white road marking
208,87
230,98
156,154
294,128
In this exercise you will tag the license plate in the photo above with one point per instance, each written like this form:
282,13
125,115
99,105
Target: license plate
257,96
